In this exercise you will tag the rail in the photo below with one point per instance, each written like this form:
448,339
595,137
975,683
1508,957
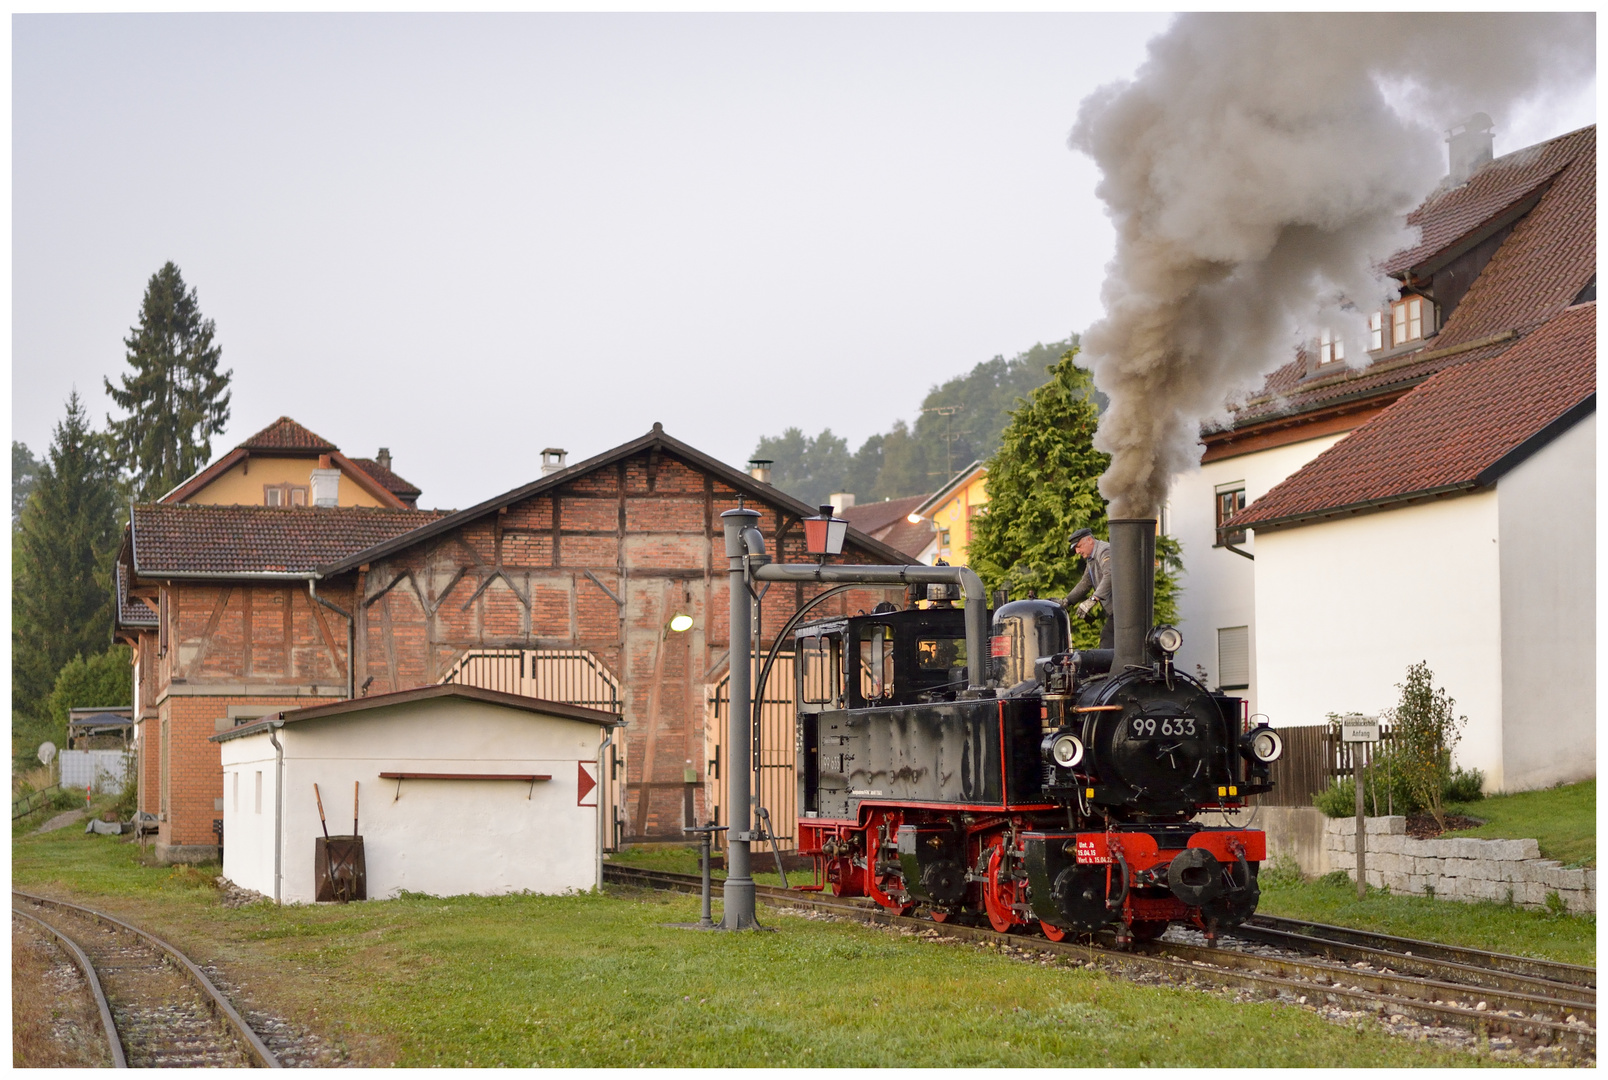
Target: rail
114,1044
256,1049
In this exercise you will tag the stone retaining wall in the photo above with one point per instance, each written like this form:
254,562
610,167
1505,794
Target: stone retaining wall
1457,868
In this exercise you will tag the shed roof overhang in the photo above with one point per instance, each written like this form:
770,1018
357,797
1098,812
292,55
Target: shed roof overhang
356,706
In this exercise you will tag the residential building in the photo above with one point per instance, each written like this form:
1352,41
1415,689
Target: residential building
1330,534
951,509
895,523
284,464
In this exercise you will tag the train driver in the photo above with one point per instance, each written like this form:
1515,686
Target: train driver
1094,588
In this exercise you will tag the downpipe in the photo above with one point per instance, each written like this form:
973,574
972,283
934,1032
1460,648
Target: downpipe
351,637
279,806
602,788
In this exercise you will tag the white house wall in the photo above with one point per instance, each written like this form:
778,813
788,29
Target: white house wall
1220,586
1343,608
248,829
440,837
1549,613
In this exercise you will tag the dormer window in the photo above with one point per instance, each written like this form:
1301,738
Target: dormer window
1330,347
1376,331
1409,318
284,495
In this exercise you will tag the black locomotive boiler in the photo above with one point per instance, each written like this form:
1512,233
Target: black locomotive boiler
1063,793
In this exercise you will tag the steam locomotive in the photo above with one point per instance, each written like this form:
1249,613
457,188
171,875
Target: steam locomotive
1061,792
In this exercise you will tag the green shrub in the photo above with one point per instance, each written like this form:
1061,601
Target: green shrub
1339,799
1464,786
1425,730
1279,873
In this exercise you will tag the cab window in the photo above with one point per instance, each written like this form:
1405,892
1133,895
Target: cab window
876,662
822,674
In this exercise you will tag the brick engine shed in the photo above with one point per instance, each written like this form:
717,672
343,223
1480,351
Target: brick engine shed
585,567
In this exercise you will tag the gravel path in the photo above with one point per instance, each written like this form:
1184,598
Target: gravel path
61,821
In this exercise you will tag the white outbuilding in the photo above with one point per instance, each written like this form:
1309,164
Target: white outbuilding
458,790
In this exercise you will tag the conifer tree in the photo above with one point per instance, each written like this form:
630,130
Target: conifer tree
1043,484
61,598
175,398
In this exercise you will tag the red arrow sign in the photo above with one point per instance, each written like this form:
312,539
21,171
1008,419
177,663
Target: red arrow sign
586,783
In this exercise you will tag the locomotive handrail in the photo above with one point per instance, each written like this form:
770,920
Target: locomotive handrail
971,589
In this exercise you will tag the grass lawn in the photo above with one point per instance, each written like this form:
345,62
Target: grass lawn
599,980
1486,925
1563,820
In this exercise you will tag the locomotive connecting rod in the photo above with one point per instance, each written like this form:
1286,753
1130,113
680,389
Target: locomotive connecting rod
747,562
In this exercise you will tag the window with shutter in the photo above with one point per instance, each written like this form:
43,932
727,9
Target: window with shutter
1234,657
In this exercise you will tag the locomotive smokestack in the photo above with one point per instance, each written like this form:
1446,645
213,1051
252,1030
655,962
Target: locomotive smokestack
1133,588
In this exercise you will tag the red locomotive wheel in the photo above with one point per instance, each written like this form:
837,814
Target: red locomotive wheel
1051,931
940,916
1148,930
999,896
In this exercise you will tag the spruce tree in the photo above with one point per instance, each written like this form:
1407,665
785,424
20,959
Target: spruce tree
1043,484
61,599
175,398
24,467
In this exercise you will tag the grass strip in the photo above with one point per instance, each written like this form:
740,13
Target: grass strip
1494,927
601,980
1562,820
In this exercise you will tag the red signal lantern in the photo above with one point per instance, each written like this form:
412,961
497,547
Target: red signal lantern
824,535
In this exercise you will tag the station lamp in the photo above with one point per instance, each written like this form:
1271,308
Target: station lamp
823,535
681,623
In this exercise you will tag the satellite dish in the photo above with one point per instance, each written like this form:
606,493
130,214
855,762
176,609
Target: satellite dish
47,751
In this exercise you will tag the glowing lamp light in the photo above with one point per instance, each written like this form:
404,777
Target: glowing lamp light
914,519
824,535
681,623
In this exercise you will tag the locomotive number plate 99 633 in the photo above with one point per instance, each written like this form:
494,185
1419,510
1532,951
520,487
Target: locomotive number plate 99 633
1162,727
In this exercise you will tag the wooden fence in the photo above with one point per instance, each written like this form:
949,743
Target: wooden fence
1313,758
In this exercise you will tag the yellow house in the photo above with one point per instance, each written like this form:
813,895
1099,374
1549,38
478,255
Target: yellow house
284,464
952,509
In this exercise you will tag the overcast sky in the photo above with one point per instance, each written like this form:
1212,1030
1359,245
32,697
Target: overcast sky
471,237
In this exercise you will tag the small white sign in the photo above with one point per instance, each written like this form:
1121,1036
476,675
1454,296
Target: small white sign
1359,729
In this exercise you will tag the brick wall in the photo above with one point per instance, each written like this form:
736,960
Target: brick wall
646,529
195,769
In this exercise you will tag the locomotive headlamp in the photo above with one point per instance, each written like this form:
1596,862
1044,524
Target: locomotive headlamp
1263,744
1166,639
1064,749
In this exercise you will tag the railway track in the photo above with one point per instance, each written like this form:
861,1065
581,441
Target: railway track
1532,1002
158,1009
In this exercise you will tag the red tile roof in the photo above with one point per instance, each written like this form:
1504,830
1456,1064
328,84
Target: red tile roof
235,540
131,612
1455,432
387,479
285,434
1535,274
879,515
1452,213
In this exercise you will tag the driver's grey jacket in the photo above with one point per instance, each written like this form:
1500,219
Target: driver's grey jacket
1096,577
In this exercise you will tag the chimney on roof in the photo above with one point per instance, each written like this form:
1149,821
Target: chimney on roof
760,469
553,460
326,484
840,500
1469,145
384,458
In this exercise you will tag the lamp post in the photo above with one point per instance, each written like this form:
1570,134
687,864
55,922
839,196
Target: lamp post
747,562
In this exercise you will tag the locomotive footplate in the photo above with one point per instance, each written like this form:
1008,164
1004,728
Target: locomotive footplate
1086,880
